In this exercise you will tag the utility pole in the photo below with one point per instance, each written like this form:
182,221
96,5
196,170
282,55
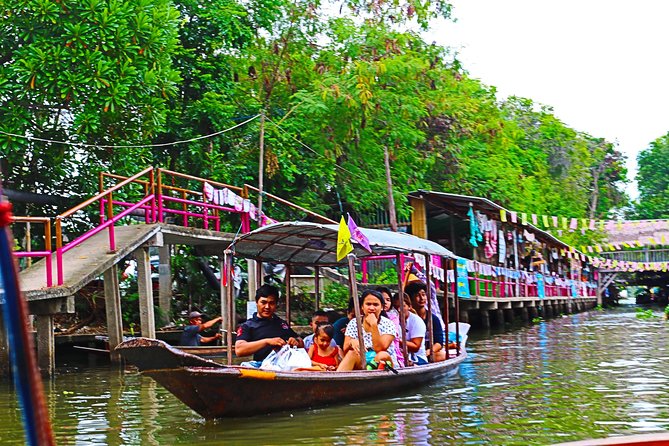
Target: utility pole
261,164
389,183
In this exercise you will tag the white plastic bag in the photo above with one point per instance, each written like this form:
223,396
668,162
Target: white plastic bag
298,358
277,359
286,358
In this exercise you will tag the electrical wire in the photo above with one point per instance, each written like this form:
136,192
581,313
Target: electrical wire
312,150
107,146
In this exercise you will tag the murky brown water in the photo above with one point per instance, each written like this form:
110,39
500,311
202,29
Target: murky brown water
582,376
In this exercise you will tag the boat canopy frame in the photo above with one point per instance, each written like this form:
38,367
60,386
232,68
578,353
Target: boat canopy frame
313,244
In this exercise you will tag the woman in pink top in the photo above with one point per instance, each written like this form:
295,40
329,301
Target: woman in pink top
394,316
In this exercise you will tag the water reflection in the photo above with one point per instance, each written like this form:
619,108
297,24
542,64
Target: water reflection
576,377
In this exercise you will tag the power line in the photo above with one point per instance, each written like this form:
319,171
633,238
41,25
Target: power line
103,146
312,150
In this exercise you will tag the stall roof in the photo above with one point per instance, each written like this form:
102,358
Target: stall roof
459,205
303,243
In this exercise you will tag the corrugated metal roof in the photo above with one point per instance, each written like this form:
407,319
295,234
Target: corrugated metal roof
459,205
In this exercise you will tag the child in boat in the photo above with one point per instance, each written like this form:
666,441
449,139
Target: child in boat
321,352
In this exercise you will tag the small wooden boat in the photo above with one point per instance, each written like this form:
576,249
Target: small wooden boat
216,390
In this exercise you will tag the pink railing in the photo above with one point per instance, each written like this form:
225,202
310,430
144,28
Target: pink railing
107,216
158,202
29,253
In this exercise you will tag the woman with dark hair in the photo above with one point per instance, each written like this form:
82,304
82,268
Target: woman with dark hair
378,333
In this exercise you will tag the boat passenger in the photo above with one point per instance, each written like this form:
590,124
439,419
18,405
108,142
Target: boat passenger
322,353
391,306
416,330
417,291
378,334
341,323
191,336
319,317
265,331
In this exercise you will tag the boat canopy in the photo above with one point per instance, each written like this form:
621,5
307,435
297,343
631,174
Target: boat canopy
303,243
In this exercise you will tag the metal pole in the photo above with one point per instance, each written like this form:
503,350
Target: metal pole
447,263
356,305
317,287
403,322
430,324
261,163
457,308
287,282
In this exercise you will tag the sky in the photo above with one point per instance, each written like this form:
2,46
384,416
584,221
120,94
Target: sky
602,65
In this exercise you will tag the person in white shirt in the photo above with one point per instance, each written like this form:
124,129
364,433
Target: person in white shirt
378,333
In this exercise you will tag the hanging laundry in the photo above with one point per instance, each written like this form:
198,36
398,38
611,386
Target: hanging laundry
475,233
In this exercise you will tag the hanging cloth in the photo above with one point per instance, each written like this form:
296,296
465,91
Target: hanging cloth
475,232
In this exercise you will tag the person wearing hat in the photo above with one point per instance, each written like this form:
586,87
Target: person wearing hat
191,336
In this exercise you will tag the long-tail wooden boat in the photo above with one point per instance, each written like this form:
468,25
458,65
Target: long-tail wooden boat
217,390
214,390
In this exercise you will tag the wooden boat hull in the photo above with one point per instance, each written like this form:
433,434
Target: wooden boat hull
216,391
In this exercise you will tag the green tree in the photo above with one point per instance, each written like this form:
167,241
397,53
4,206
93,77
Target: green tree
96,72
653,180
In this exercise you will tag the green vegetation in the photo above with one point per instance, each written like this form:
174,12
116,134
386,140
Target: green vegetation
644,314
536,320
653,179
143,72
353,92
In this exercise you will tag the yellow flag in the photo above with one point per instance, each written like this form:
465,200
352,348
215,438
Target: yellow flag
502,215
343,240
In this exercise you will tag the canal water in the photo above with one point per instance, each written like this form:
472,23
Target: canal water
580,376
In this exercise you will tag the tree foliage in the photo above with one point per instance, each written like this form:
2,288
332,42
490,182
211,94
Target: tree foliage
96,72
653,180
337,90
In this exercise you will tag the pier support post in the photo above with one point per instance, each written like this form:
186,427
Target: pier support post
164,284
464,316
485,319
548,310
499,318
533,312
508,315
113,311
524,315
46,345
147,319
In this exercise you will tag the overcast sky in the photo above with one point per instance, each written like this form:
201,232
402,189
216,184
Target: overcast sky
603,65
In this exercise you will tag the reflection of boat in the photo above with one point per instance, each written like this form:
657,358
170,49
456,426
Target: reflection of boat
215,390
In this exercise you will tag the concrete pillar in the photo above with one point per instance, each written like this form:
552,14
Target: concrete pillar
485,319
524,314
46,346
548,310
164,284
464,316
147,320
569,307
113,310
499,318
532,312
5,366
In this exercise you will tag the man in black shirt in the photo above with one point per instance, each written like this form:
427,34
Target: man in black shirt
265,331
